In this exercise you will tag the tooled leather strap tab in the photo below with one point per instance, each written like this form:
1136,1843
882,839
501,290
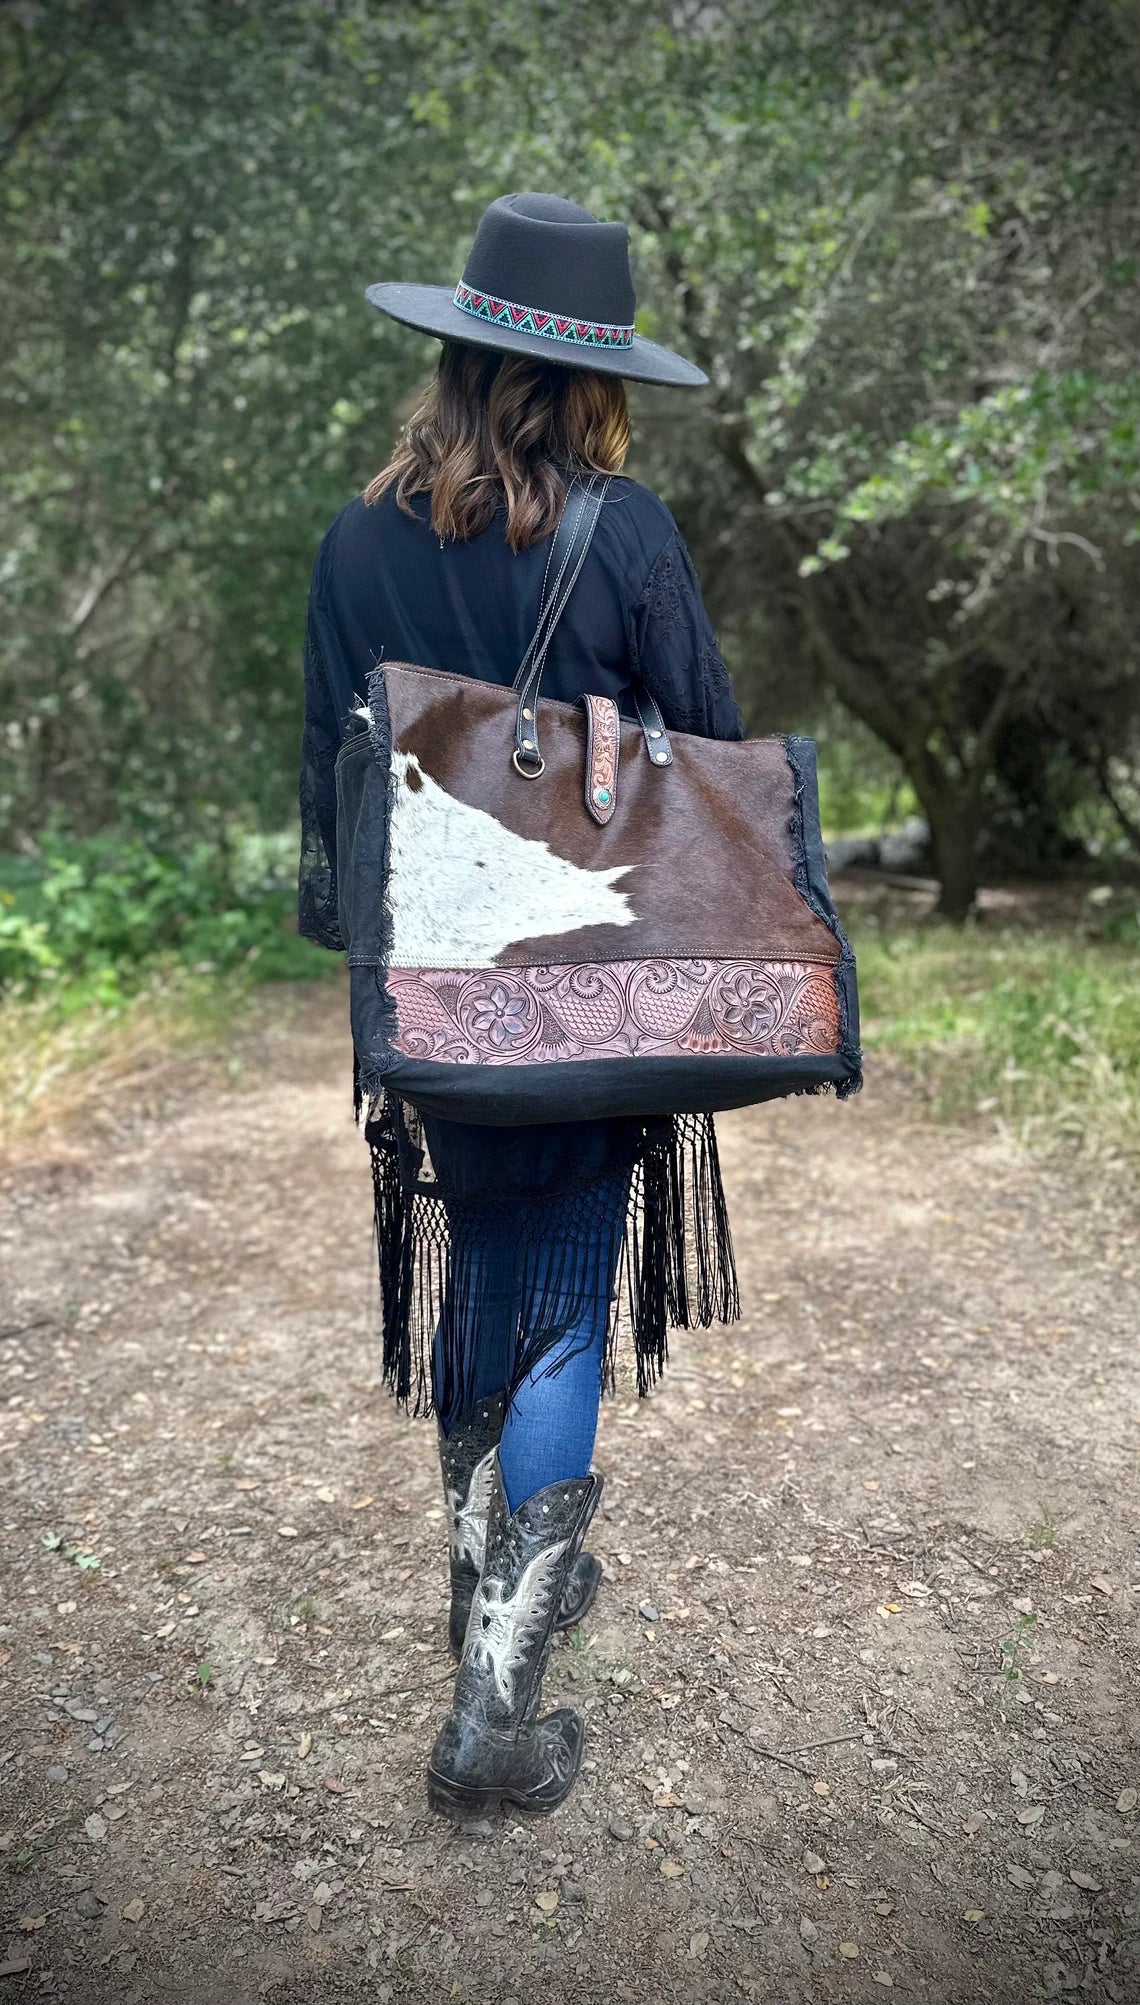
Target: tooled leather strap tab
603,749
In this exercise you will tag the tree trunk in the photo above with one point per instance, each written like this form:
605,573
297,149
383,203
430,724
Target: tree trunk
954,831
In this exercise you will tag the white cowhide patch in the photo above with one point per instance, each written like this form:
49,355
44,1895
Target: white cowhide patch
462,888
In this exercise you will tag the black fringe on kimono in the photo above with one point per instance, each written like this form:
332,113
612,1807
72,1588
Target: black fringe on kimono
654,1238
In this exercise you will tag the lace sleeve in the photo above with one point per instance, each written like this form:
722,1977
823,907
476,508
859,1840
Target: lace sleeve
675,650
317,916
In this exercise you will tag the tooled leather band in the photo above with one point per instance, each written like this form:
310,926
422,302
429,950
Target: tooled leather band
603,747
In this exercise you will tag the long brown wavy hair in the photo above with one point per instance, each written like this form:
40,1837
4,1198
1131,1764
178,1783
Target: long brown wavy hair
494,425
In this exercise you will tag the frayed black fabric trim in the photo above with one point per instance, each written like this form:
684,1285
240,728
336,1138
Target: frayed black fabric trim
655,1240
369,1073
811,883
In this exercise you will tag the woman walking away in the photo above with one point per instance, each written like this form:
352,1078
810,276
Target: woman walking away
501,533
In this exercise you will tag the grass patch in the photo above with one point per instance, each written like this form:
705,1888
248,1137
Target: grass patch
62,1051
1039,1031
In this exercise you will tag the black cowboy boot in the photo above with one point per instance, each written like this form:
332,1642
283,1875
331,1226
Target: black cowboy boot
466,1457
493,1749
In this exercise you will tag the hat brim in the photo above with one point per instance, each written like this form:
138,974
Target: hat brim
432,309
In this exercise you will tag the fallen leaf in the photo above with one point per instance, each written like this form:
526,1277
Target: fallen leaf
322,1894
699,1942
286,1531
821,1788
362,1503
15,1966
546,1902
194,1559
1101,1583
1031,1813
1126,1800
95,1827
326,1496
665,1800
849,1949
884,1978
134,1911
247,1484
28,1922
1087,1880
271,1779
313,1917
1019,1876
672,1869
973,1824
974,1914
305,1745
813,1864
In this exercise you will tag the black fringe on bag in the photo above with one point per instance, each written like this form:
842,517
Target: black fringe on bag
653,1243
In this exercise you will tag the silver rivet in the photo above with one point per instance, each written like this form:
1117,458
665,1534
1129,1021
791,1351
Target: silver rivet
528,714
661,758
528,744
655,734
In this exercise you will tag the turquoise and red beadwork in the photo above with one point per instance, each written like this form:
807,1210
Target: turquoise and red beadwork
534,320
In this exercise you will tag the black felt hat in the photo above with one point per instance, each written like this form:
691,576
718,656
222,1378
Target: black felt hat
543,278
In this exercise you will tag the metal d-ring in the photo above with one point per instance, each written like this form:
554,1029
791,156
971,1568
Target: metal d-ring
520,768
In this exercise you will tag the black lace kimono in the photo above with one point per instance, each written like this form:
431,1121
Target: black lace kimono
454,1199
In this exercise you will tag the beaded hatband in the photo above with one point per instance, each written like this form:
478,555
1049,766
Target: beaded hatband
532,320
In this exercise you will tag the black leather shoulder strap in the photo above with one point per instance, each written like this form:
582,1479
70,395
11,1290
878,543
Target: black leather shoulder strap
567,554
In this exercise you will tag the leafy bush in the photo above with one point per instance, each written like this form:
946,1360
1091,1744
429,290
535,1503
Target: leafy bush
96,914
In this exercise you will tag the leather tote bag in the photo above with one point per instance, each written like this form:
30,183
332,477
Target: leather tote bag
555,913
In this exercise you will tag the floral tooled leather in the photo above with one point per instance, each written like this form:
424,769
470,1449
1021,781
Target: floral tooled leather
603,745
614,1009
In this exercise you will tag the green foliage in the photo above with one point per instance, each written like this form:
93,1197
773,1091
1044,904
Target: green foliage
901,239
1040,1032
1012,460
862,790
1017,1648
79,1556
95,915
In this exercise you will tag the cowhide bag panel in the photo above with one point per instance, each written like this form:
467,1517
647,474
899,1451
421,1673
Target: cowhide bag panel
611,937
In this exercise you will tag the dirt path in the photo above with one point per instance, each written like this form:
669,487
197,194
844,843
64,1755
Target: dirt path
909,1476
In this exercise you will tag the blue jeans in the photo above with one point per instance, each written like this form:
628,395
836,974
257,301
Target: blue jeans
553,1415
